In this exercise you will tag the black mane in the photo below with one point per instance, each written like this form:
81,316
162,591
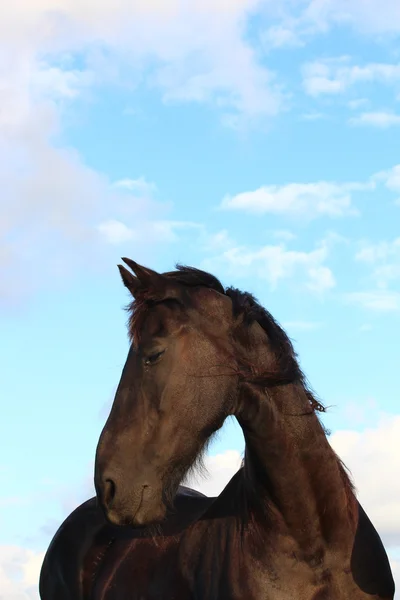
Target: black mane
247,305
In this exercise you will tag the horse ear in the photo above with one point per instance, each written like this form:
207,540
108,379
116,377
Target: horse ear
147,278
132,283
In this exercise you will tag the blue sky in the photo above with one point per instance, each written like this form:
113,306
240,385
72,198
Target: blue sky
257,140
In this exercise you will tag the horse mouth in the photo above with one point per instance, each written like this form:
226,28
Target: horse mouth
147,513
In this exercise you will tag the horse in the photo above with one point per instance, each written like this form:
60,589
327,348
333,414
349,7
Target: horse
287,526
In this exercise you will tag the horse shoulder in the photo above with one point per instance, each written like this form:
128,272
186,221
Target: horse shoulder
65,572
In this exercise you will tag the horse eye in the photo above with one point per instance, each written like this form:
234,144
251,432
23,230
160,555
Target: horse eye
153,358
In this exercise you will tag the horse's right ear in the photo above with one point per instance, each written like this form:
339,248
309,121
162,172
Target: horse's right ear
130,281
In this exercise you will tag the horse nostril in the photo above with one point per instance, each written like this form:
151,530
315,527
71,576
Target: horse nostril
109,492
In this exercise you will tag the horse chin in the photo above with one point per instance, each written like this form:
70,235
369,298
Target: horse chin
149,515
145,516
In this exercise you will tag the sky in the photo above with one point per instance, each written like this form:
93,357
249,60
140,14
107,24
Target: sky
258,140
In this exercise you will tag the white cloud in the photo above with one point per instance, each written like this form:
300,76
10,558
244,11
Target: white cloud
392,178
294,23
115,232
316,80
275,263
379,119
196,53
358,103
313,116
373,253
56,83
229,77
384,259
279,36
51,207
19,573
312,17
51,53
167,230
367,17
365,413
377,300
140,186
322,198
335,76
51,200
284,234
220,468
217,241
321,279
373,456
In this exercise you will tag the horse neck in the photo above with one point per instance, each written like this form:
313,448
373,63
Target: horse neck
291,468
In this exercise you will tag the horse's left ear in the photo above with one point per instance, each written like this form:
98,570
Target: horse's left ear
149,279
132,283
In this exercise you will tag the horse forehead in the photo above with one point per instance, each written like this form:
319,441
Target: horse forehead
212,307
212,304
156,318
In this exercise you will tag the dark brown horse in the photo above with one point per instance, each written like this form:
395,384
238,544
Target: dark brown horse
287,526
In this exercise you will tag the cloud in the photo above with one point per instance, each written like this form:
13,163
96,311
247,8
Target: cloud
336,76
283,234
313,116
379,119
373,455
311,200
51,211
391,178
57,210
384,260
279,36
374,253
357,103
314,17
140,186
217,241
275,264
377,300
219,469
294,23
51,200
115,232
365,413
19,573
366,17
190,53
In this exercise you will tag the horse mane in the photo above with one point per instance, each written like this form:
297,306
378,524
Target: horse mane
244,304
